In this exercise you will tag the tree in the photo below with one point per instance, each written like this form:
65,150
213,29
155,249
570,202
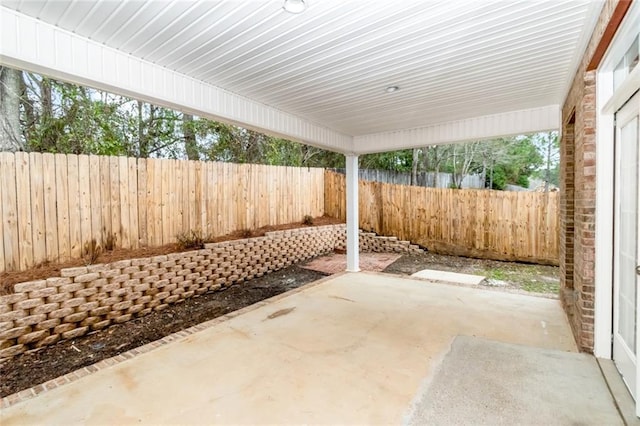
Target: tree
509,161
62,117
432,160
282,151
398,161
46,115
414,166
190,144
549,145
463,160
10,128
499,161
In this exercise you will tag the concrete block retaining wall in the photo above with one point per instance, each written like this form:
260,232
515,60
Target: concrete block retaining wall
90,298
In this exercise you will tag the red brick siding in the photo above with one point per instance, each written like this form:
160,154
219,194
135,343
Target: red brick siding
567,204
577,210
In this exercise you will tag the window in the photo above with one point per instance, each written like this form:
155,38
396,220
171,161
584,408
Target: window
628,62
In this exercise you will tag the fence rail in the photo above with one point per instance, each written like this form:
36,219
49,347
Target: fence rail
426,179
51,205
514,226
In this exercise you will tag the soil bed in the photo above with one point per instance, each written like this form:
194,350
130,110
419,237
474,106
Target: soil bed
30,369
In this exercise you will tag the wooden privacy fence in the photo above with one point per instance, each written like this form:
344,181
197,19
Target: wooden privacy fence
51,205
514,226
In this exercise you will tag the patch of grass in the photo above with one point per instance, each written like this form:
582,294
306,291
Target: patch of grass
496,274
541,287
532,278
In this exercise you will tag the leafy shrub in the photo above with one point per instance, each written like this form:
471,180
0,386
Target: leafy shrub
91,251
191,240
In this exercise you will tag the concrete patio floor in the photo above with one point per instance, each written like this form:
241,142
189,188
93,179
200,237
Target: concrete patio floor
350,349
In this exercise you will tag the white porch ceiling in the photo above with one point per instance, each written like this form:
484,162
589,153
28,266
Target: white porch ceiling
458,63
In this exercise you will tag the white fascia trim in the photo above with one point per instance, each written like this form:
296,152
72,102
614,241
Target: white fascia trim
476,128
36,46
603,265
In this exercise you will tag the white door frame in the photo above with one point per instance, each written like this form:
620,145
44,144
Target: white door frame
608,102
624,355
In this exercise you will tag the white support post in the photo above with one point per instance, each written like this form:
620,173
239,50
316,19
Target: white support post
353,245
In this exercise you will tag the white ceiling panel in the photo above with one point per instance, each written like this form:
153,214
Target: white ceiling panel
129,22
452,59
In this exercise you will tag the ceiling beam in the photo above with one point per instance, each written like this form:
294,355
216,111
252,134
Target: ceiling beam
609,32
471,129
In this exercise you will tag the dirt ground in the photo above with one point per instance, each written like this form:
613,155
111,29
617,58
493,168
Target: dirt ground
30,369
510,275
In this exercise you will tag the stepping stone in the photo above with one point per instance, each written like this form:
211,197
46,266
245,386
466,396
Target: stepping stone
334,263
451,277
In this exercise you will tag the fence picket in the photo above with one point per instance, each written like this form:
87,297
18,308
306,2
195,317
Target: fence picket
152,202
116,223
123,183
73,212
96,198
37,210
56,206
192,206
9,211
84,189
23,195
105,199
141,204
134,233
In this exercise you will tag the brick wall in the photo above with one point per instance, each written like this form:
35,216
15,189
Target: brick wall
372,242
84,299
577,204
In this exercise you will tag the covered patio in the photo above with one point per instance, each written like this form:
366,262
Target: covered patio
363,348
364,77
